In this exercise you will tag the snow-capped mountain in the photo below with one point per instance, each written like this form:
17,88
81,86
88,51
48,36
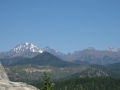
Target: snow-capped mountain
29,50
112,49
89,55
22,50
27,47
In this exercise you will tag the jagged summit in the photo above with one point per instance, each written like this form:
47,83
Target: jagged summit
27,47
112,49
48,49
28,50
52,51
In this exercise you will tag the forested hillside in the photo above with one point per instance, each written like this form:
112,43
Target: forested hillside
87,83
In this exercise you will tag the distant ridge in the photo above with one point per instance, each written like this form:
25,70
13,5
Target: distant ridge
89,55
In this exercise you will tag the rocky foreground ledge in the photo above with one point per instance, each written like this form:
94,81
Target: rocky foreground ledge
15,86
6,84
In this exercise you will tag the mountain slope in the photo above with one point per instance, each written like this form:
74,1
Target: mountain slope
94,57
10,61
54,52
45,58
115,66
32,72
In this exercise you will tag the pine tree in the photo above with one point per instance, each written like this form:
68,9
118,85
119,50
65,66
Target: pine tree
47,85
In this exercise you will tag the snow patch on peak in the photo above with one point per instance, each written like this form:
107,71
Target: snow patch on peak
112,49
27,47
26,43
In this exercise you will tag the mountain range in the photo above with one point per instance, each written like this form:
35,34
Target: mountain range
28,50
87,56
26,63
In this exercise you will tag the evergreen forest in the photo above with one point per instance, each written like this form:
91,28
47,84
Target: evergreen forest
86,83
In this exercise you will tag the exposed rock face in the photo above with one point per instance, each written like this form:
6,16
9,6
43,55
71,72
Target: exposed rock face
15,86
3,75
6,84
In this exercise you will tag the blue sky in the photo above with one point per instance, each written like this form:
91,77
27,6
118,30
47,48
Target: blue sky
64,25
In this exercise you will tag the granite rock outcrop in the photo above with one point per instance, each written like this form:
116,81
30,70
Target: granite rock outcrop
6,84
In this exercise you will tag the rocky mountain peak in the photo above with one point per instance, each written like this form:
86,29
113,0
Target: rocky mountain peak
27,47
112,49
28,50
47,48
52,51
